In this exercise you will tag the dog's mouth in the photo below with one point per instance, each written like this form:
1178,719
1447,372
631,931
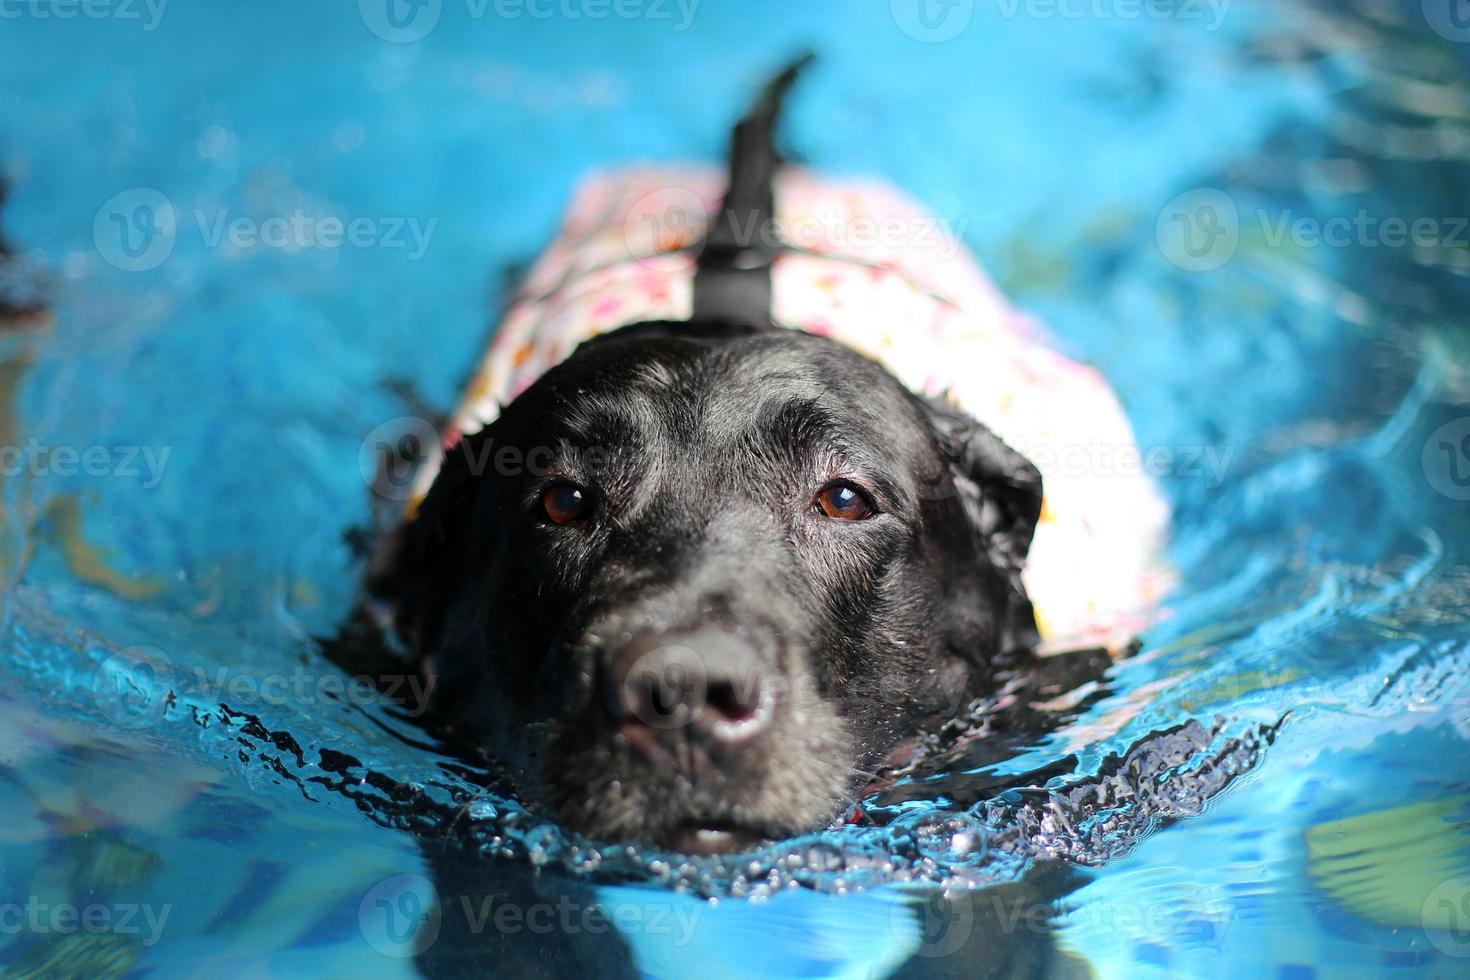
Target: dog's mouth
703,838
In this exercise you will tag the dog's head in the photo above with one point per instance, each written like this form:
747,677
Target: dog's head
697,581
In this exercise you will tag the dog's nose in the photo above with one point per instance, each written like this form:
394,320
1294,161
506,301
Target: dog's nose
706,686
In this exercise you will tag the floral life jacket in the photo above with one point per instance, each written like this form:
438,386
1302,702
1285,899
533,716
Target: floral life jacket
864,266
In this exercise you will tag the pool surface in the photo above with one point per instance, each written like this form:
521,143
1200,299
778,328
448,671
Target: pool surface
1252,217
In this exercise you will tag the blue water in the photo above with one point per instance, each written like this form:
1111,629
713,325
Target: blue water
190,788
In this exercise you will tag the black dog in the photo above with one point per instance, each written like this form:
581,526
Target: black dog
750,565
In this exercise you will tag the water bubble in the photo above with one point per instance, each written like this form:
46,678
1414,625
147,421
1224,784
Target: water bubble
948,838
542,842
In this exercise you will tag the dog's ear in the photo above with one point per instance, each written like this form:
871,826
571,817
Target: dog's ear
431,558
996,492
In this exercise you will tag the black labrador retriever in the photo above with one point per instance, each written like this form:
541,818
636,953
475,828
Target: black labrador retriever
750,569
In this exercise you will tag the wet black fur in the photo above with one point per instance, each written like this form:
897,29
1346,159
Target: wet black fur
704,445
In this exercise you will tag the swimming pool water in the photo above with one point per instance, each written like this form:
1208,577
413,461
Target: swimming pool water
1250,216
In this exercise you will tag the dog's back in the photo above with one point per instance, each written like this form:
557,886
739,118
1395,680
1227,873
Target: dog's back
861,263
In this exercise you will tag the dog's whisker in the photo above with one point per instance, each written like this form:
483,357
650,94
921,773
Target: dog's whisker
461,811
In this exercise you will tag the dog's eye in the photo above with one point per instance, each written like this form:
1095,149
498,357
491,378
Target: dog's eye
565,503
844,502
